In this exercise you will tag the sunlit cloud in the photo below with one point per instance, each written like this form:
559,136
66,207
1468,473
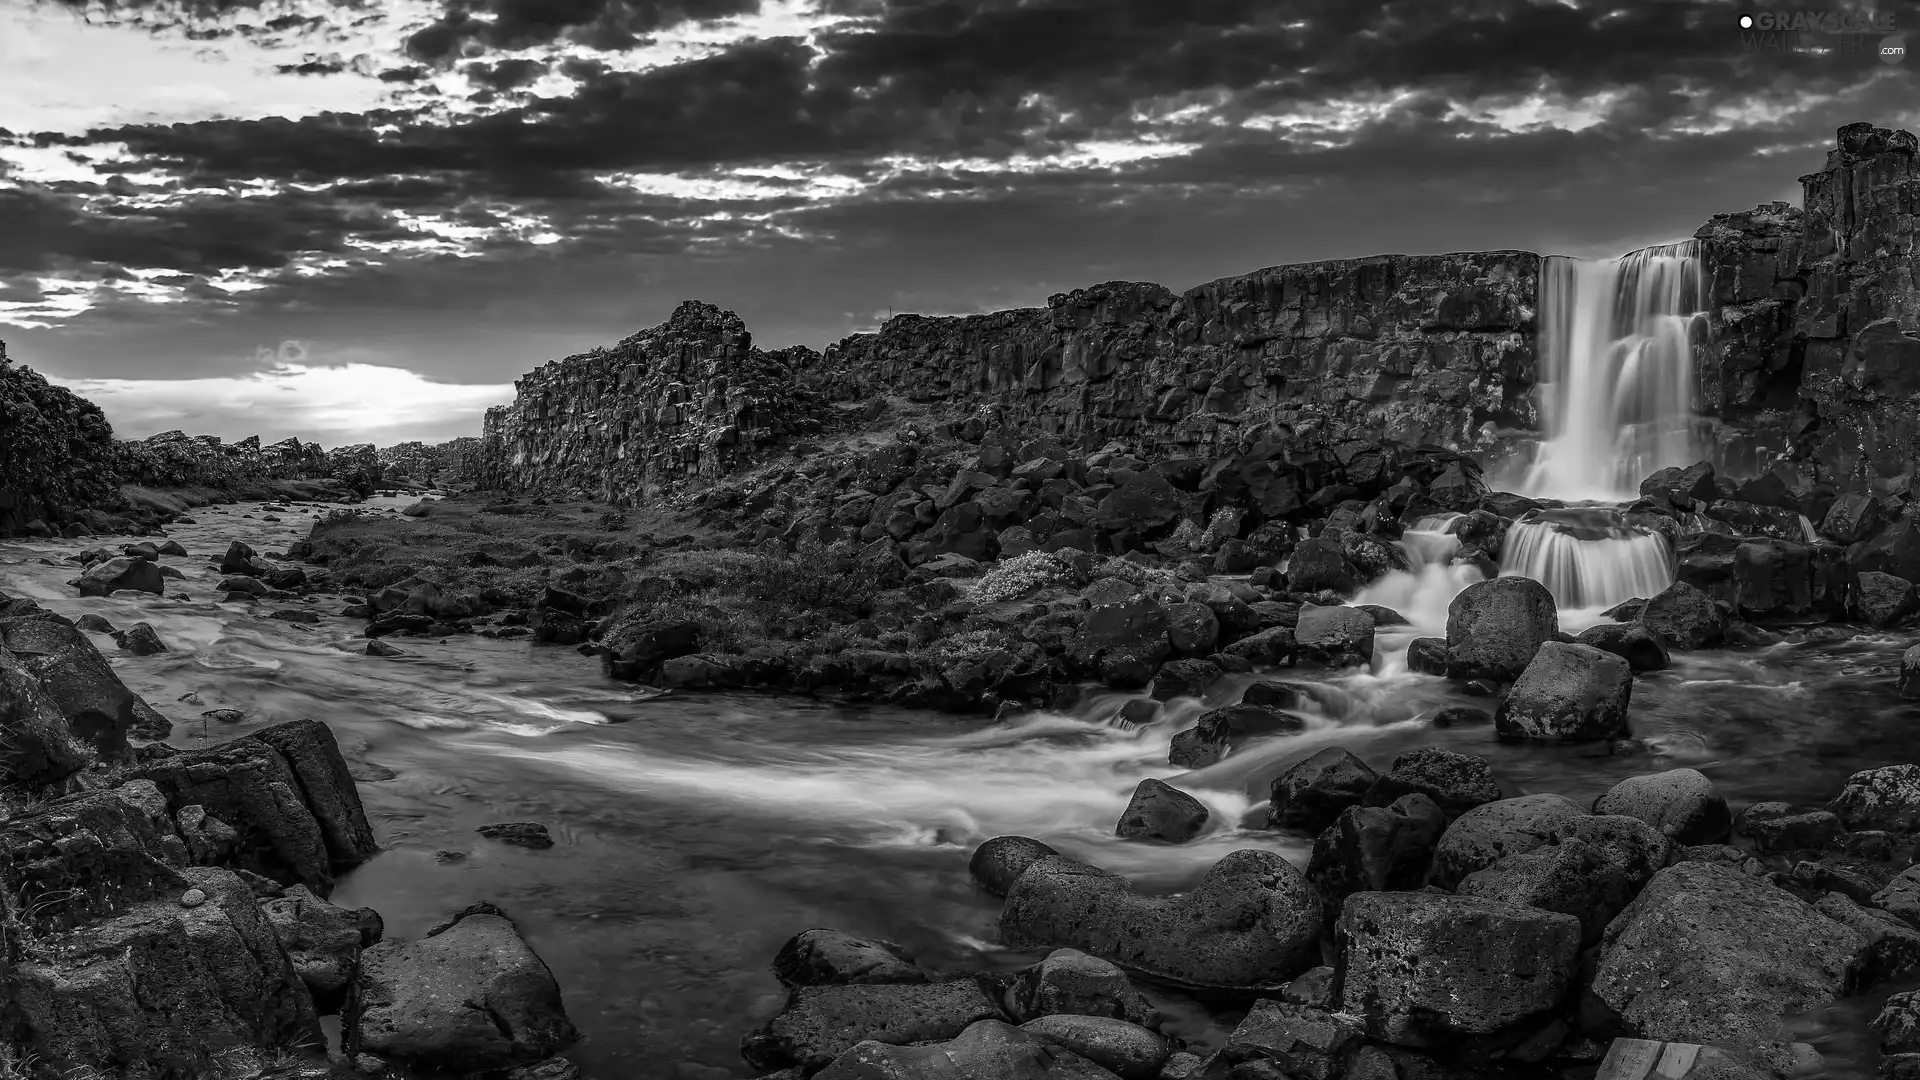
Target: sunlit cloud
332,405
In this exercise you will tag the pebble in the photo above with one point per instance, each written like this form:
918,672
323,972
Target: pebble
192,898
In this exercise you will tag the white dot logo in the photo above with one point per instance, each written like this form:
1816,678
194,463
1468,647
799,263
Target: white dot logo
1746,22
1893,50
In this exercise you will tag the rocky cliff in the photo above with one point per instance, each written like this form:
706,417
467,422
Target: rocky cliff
691,397
57,453
175,459
1811,356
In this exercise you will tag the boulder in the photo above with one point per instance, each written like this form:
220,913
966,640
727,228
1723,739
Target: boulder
1161,812
829,958
999,862
1320,564
327,788
1455,782
1882,600
1568,693
1280,1037
323,942
1252,922
250,787
1709,955
1898,1024
1192,629
1333,636
1681,803
1427,656
140,639
240,559
162,982
1640,647
1494,628
1901,896
988,1048
99,708
1218,731
1375,849
469,996
1126,1050
1311,795
1886,799
113,575
1684,617
820,1023
1909,685
1075,983
1683,487
38,745
1488,833
1421,969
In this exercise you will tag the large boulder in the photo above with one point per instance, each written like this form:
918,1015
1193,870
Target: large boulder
1320,564
1640,647
1333,636
1887,799
1684,617
1071,982
1422,969
829,957
249,786
1375,849
1568,693
1252,922
1311,795
37,744
326,787
820,1023
1681,803
164,982
1591,869
123,572
469,996
1882,600
1494,628
998,863
1710,955
1127,1050
1161,812
1456,782
1488,833
98,707
322,941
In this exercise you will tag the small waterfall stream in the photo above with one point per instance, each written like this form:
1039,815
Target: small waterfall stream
1589,558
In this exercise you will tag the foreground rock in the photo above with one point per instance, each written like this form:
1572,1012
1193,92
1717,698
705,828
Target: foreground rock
1422,969
1681,803
1253,921
467,997
1709,955
1494,628
820,1023
987,1048
829,957
1568,693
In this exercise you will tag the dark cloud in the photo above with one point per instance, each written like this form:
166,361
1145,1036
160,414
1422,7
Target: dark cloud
506,74
518,24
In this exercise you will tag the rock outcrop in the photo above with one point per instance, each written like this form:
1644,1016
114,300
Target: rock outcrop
57,454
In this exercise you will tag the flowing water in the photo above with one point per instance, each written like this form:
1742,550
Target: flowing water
695,833
1616,341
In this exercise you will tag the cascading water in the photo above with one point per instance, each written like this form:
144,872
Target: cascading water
1616,343
1589,558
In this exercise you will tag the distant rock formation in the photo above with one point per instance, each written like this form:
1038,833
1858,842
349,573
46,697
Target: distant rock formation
1807,361
691,397
57,453
175,459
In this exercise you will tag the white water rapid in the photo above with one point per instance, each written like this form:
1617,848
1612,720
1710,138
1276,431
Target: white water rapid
1588,558
1616,343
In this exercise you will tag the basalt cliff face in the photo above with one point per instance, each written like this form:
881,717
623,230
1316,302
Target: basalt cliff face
1811,357
57,454
1806,359
1425,348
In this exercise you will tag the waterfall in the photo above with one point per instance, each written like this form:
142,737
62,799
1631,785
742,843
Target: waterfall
1588,558
1615,340
1422,592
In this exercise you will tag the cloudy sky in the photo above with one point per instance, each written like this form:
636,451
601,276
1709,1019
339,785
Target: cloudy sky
361,219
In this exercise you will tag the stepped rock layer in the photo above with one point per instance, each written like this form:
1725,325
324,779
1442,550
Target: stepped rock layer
1805,358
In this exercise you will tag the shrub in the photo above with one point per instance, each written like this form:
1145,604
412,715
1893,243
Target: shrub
1019,576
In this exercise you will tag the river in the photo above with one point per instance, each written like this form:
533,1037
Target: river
696,833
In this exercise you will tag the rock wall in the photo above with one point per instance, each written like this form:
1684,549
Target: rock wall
1811,359
57,453
1807,361
691,397
175,459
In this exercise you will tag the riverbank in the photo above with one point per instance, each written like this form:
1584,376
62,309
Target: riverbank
695,833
